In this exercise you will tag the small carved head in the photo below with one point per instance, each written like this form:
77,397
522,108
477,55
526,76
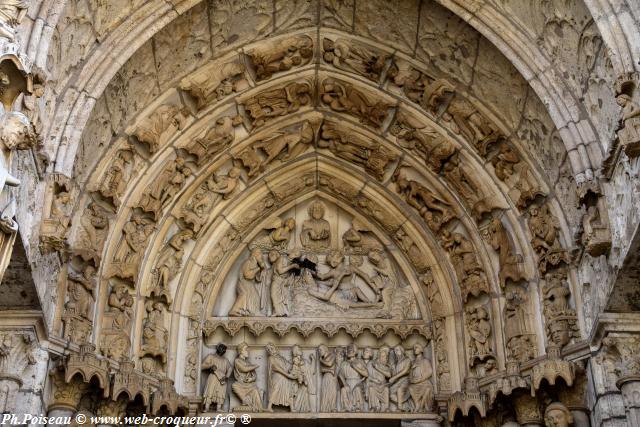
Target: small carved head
16,132
399,352
356,260
383,354
243,350
367,353
271,349
316,210
221,349
352,350
273,256
557,415
418,350
335,258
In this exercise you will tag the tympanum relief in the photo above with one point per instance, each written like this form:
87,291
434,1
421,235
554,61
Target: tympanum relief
312,263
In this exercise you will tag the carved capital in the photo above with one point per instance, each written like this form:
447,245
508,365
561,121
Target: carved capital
528,410
66,395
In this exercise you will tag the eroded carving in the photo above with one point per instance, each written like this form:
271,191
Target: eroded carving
151,129
374,157
544,229
283,56
356,58
343,97
214,82
272,103
470,273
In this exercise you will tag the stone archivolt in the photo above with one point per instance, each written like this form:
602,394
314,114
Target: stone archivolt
406,160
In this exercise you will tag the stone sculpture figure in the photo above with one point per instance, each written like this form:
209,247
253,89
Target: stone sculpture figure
129,254
16,133
120,302
117,177
329,369
12,12
286,145
399,381
281,389
245,382
165,186
302,381
92,235
465,260
293,52
557,415
220,370
154,333
420,387
316,231
435,211
214,82
544,229
504,161
466,188
168,264
384,277
80,291
151,128
354,57
511,265
359,239
280,279
378,380
197,210
371,155
343,97
425,142
248,298
479,329
279,235
629,134
277,102
339,271
560,317
352,374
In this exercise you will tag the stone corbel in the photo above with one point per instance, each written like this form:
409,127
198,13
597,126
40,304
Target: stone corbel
528,411
130,382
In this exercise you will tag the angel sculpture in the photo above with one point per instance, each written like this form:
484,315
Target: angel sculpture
286,145
280,231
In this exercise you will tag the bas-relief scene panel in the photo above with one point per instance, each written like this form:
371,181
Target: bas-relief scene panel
316,261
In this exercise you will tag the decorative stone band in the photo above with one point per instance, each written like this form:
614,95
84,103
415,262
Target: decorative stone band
281,326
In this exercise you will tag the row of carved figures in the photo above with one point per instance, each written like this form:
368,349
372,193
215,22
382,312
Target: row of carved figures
346,379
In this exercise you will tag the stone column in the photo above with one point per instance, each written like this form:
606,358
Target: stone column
630,388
